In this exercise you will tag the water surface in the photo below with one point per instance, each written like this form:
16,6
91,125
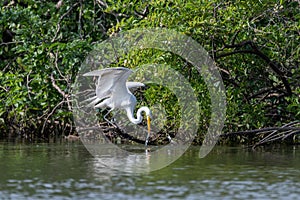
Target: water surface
68,171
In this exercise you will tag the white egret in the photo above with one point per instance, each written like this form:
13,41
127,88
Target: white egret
112,87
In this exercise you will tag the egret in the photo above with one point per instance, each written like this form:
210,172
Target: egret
112,91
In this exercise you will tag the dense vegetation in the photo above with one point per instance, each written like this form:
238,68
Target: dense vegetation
255,44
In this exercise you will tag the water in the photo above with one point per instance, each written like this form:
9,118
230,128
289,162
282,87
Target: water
67,171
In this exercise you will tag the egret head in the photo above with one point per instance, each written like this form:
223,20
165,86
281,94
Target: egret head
139,118
148,116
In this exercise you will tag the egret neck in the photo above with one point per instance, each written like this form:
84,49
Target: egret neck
140,118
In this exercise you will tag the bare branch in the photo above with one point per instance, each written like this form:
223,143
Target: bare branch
7,43
261,130
61,18
51,113
275,66
65,96
56,86
271,133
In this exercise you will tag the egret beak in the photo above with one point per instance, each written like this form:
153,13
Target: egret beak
148,124
149,129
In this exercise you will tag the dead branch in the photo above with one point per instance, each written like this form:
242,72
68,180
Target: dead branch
57,87
60,20
270,134
115,131
259,131
275,66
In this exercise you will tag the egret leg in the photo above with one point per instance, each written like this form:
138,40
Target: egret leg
108,121
169,137
147,139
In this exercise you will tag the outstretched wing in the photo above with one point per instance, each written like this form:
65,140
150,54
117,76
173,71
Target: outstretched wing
134,84
110,80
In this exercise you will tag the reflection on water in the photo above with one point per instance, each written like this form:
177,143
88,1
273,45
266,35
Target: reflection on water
134,158
68,171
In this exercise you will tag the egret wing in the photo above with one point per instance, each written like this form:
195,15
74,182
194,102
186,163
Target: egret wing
134,84
110,80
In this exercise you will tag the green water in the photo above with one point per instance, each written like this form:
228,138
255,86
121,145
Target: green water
67,171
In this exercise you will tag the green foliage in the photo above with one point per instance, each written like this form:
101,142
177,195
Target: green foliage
255,44
41,60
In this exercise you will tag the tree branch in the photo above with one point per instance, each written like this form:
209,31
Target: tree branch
61,18
261,130
270,134
275,66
